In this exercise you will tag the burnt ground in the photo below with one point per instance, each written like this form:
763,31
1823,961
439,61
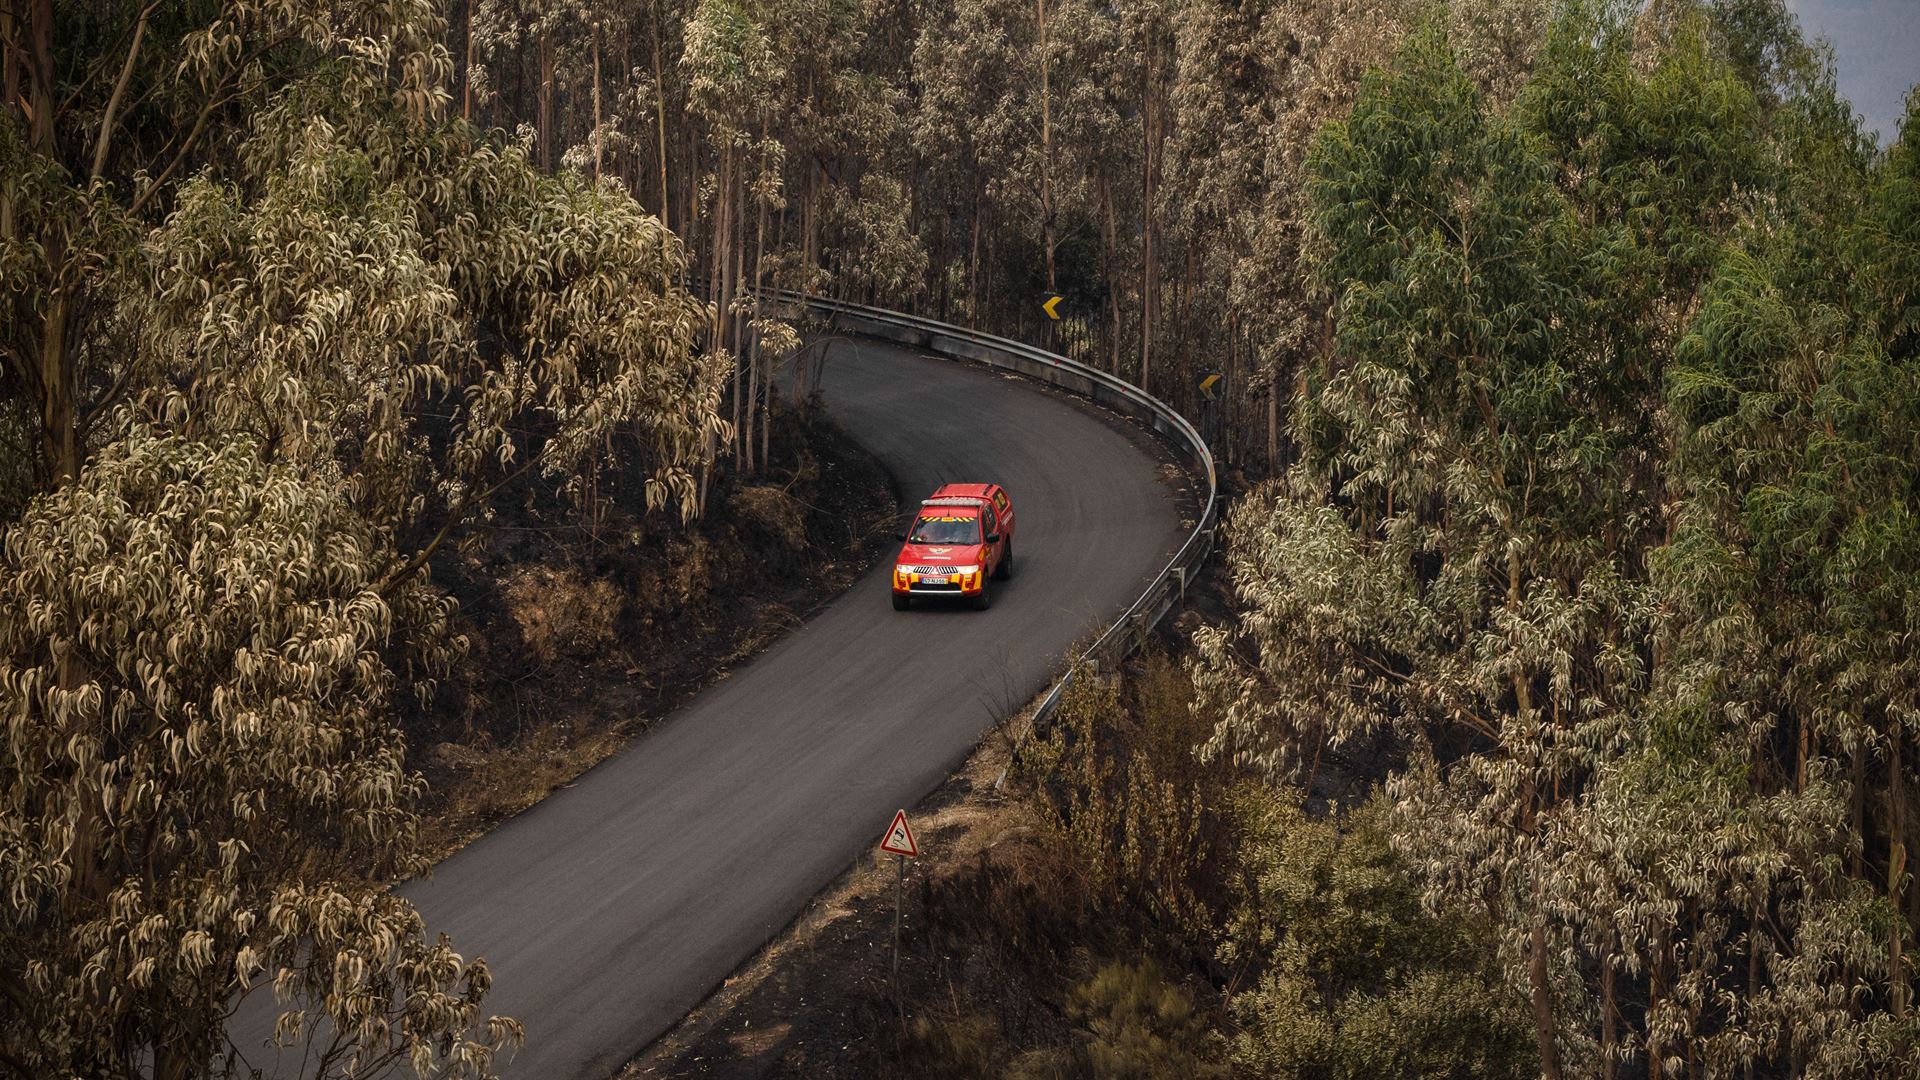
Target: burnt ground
589,621
817,1001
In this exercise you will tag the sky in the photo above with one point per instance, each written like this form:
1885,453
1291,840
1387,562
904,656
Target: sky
1876,45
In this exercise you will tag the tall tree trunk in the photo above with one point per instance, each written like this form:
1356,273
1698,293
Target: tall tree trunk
1859,806
723,276
598,141
1656,999
690,184
1609,1013
973,258
1897,870
1541,992
759,261
9,95
466,73
660,112
737,225
1046,144
1755,921
543,94
816,175
1273,419
754,464
1149,268
59,414
9,65
59,410
40,126
1110,257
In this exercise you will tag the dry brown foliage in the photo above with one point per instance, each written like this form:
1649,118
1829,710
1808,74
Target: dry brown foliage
773,511
559,612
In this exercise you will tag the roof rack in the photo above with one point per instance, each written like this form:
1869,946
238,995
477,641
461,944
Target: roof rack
955,500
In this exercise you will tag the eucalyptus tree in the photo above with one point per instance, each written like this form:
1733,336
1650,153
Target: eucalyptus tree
423,306
1596,513
106,109
976,120
1461,557
734,72
1019,111
1251,86
1464,553
195,702
323,310
851,178
1797,395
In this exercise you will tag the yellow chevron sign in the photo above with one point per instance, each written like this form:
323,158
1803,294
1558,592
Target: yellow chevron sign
1049,306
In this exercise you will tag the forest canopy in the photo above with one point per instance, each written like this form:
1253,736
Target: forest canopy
1570,382
1604,511
278,327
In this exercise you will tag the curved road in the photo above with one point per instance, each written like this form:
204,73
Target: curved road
614,906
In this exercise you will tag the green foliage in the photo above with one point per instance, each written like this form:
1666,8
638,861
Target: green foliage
1347,974
1122,783
1605,511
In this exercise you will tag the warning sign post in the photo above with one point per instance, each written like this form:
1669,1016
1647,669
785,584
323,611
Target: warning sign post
900,844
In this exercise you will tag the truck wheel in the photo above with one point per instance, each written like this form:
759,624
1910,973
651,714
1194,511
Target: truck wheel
1005,569
983,599
901,603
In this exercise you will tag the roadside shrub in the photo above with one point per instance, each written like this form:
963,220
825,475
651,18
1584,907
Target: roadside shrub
1117,775
1131,1024
559,612
772,512
1349,976
963,1048
1013,926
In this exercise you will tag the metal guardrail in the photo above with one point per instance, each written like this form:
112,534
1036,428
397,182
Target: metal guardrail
1129,631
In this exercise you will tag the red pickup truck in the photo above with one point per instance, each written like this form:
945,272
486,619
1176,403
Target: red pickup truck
961,539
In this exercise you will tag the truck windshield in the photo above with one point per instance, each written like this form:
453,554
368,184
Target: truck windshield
946,530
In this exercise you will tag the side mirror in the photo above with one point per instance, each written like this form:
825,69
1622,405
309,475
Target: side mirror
993,538
900,536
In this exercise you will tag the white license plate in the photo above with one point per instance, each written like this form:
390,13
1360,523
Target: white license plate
933,579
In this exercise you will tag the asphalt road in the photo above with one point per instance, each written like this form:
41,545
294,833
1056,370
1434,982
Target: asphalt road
613,907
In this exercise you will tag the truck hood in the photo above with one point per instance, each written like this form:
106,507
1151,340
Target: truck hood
941,554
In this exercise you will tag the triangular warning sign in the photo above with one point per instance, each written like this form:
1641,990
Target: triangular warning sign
899,839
